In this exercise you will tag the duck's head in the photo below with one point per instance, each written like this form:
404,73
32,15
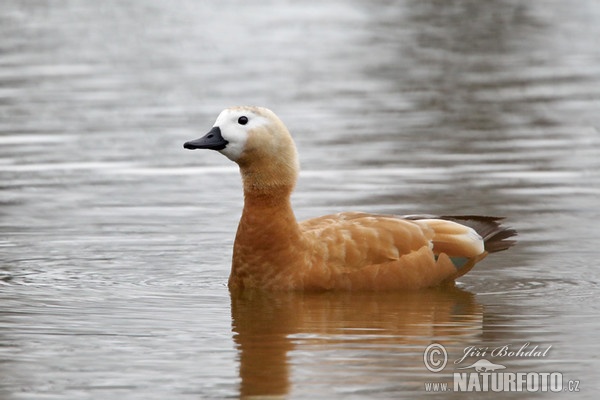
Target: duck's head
257,140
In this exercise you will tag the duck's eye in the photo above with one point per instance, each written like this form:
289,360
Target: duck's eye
243,120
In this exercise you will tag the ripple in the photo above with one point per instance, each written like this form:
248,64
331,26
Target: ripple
34,139
549,289
43,167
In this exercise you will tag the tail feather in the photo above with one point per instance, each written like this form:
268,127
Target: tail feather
495,236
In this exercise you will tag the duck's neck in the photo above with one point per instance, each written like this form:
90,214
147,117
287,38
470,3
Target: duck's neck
268,185
267,238
267,215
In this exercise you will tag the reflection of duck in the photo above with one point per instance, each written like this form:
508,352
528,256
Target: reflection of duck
350,251
370,330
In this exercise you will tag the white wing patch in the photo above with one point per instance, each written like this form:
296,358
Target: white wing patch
453,238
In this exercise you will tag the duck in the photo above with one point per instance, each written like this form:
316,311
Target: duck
347,251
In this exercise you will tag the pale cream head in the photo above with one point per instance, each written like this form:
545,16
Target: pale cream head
257,140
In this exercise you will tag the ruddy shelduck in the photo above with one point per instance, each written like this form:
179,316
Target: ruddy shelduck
345,251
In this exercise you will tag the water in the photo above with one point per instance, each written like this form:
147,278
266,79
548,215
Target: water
115,243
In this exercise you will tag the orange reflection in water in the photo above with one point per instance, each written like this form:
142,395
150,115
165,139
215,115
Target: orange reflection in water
268,326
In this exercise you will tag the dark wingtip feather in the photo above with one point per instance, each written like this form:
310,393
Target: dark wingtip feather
495,235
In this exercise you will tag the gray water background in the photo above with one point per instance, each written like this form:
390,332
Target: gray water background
115,243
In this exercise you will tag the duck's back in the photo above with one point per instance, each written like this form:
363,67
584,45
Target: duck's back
385,252
353,240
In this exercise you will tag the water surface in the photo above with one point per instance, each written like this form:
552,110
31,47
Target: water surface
115,243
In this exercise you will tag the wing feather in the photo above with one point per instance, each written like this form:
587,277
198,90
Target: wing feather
356,240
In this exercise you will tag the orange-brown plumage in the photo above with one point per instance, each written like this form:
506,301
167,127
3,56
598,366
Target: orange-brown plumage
345,251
